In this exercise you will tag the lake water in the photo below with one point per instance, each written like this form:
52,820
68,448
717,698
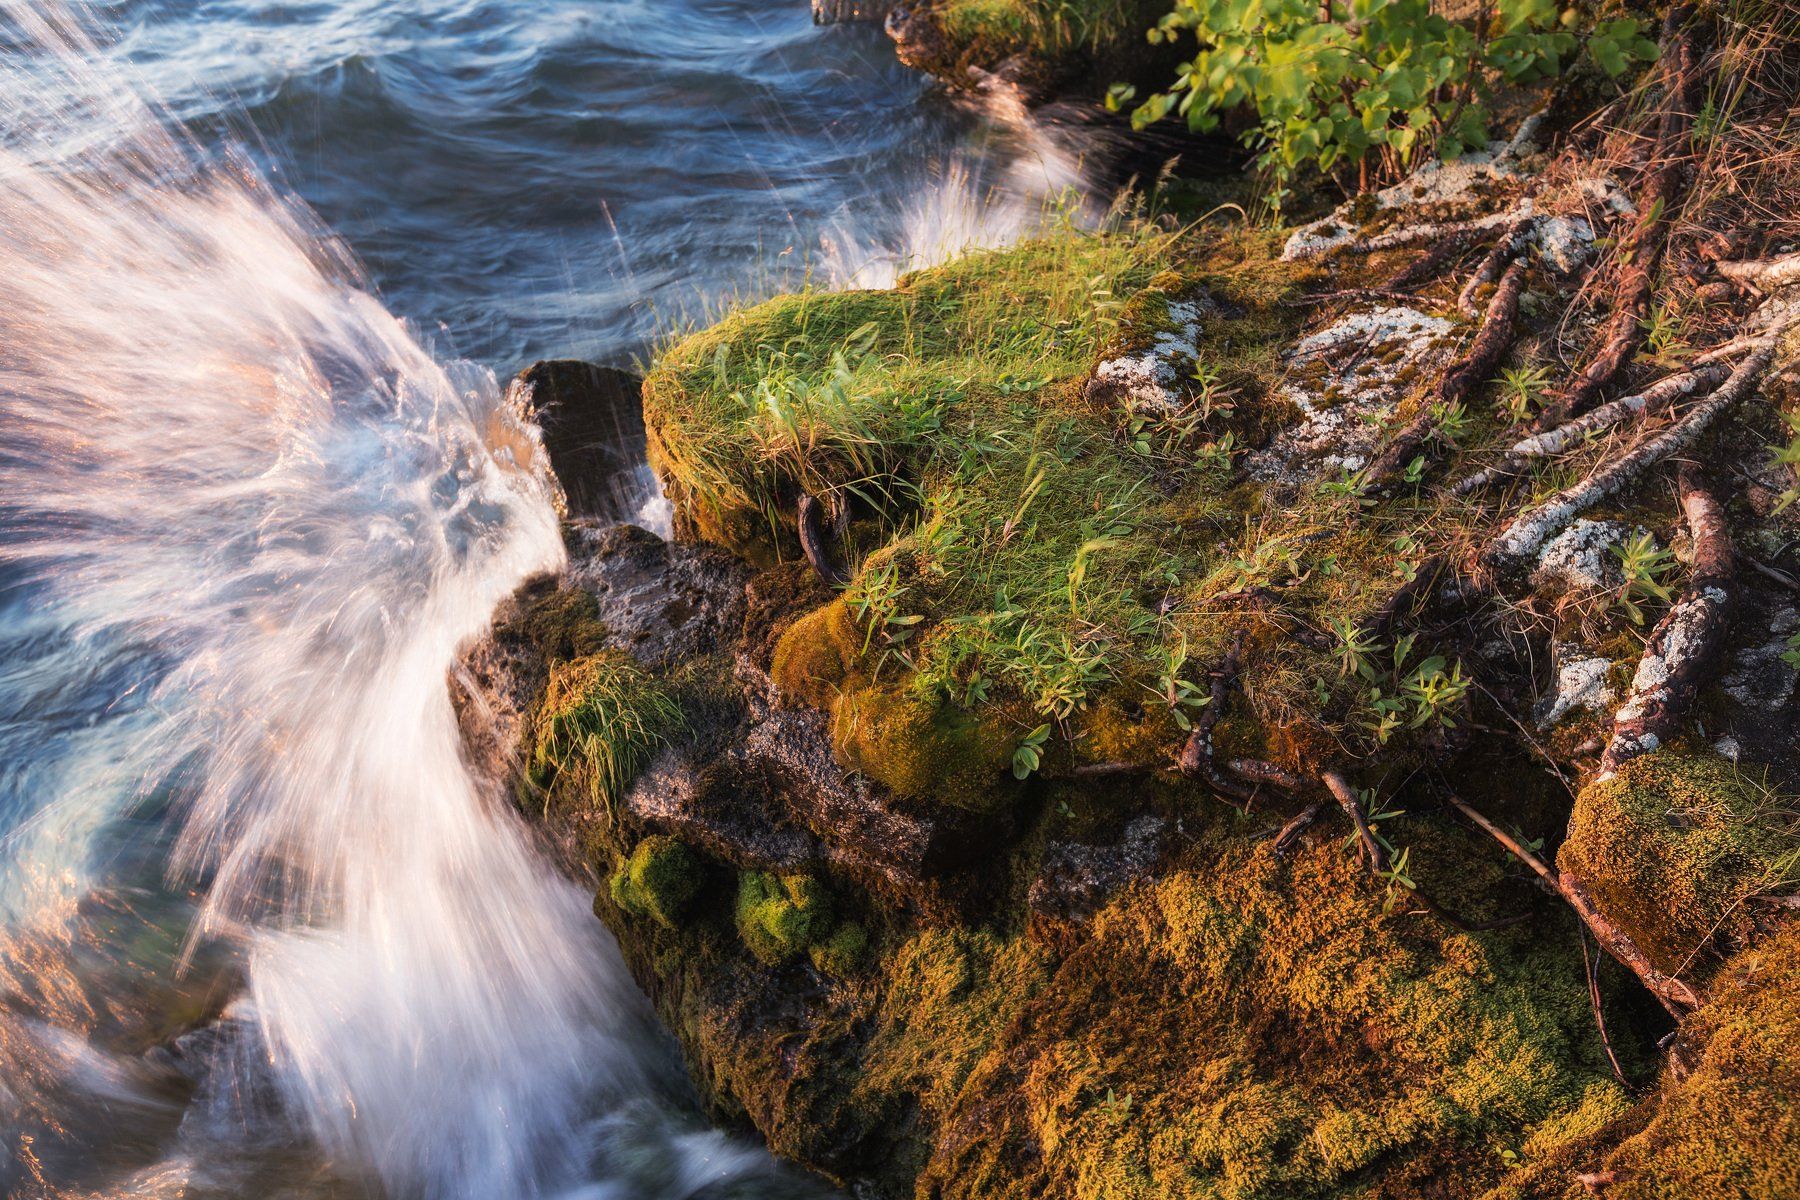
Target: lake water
263,267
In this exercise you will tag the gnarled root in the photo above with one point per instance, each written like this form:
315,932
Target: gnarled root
1643,247
815,543
1649,402
1492,340
1522,539
1197,753
1685,648
1678,997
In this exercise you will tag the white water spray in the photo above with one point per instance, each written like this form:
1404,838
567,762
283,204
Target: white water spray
247,522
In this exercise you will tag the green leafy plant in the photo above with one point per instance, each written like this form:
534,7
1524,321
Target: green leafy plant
1347,82
1029,755
1523,389
1643,564
1178,693
1789,456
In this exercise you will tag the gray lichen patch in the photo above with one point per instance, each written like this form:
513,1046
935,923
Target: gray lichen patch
1346,380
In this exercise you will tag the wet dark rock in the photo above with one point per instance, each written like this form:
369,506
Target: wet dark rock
719,810
660,601
593,422
1077,880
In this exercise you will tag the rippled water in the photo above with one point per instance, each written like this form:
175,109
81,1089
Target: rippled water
261,932
572,177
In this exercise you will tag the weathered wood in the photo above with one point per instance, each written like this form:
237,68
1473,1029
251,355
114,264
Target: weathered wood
1688,644
815,543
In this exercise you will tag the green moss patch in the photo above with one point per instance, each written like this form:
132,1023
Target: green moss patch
659,879
780,917
1672,846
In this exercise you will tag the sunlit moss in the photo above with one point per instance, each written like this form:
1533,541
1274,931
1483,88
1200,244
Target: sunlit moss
1672,846
780,916
659,879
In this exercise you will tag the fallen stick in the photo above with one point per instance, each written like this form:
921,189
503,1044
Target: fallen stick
1648,402
1258,771
1528,531
1686,646
1676,996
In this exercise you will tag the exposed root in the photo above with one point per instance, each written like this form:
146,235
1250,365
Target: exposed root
1649,402
1257,771
1642,249
1522,539
816,544
1290,833
1492,340
1678,997
1504,253
1431,264
1197,754
1373,854
1405,599
1688,644
1767,275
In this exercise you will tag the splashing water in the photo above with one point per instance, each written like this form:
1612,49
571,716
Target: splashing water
1030,178
246,519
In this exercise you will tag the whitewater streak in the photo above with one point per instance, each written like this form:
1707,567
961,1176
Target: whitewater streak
246,521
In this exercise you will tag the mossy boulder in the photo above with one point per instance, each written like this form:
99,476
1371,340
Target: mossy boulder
925,751
843,952
659,879
819,656
779,917
1671,847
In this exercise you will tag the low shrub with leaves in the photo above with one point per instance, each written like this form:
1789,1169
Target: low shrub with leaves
1355,82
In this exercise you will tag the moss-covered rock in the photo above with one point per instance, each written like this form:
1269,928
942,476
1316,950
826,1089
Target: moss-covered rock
842,953
659,879
780,917
925,751
1672,846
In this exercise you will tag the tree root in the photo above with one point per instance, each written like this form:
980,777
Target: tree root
1766,275
1492,340
1687,645
1429,265
1504,253
1197,753
1373,854
1522,538
816,544
1258,771
1290,833
1643,248
1649,402
1676,996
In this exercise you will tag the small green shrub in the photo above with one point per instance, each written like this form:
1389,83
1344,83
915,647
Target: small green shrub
780,916
1381,79
659,879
